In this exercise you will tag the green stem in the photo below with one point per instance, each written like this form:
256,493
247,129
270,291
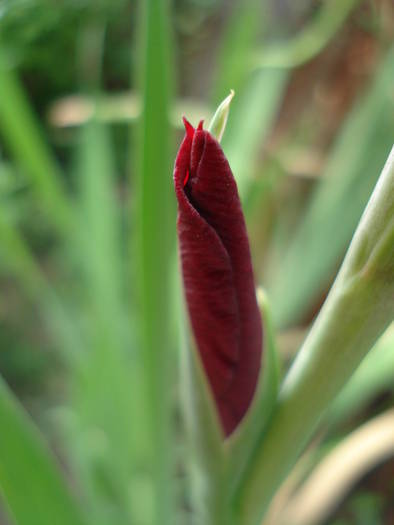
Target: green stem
358,309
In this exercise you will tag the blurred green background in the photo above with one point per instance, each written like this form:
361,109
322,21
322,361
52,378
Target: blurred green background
91,99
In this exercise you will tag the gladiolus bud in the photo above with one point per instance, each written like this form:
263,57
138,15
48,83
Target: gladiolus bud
217,274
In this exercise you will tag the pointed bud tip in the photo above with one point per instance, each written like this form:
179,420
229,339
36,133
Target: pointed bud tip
219,120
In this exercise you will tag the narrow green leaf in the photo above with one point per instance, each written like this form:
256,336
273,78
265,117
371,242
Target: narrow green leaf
99,249
237,43
100,433
259,78
20,263
155,240
338,201
17,259
30,480
24,138
259,93
249,122
310,41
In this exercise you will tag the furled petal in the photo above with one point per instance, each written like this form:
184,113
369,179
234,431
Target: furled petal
218,274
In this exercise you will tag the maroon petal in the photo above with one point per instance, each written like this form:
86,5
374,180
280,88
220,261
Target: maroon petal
217,273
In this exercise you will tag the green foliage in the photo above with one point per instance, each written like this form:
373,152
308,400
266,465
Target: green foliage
29,478
338,200
153,245
87,241
35,35
21,130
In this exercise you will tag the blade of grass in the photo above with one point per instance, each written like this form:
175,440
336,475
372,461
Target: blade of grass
155,206
337,202
30,480
24,138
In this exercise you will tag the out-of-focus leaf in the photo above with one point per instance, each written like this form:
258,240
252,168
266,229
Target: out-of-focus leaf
237,43
260,81
153,246
336,473
258,93
310,40
101,427
250,119
17,259
24,138
376,373
30,480
100,229
337,203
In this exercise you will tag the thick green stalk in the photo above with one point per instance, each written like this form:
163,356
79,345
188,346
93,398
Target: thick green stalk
358,309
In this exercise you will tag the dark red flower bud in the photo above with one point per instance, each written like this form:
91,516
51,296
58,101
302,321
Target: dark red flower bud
217,273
